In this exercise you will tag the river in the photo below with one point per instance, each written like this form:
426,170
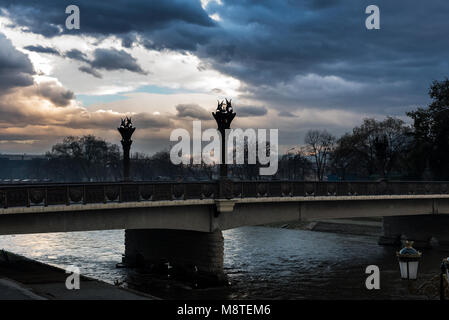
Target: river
261,263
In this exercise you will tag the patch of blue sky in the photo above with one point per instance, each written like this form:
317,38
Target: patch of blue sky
89,100
160,90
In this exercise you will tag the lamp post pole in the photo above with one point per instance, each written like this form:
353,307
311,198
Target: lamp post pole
126,130
223,116
444,271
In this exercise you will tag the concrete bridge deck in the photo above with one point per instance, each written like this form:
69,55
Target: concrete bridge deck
182,223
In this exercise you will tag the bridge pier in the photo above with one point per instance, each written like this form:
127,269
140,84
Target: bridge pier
419,228
191,255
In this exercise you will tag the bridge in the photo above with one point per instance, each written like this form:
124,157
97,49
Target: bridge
181,222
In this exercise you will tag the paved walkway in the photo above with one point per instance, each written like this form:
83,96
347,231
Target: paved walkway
25,279
11,290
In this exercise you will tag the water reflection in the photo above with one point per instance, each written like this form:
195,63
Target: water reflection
262,263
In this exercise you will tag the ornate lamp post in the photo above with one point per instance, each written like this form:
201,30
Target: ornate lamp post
408,261
126,130
444,271
224,116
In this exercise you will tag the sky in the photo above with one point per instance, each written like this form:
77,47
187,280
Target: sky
290,65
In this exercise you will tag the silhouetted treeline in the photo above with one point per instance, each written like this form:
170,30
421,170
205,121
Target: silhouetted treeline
387,148
375,149
392,149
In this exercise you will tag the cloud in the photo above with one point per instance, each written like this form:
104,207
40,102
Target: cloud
27,17
76,55
113,59
152,121
91,71
55,93
286,46
217,91
286,114
271,45
47,17
36,110
42,49
106,59
192,111
129,39
247,111
16,69
30,122
291,56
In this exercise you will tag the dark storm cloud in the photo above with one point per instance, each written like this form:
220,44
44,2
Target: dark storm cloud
180,36
16,69
192,111
27,16
91,71
42,49
47,17
77,55
113,59
283,47
106,59
291,54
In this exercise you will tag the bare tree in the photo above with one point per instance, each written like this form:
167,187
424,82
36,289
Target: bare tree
320,145
85,158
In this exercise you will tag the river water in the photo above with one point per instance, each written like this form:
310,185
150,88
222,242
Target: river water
261,263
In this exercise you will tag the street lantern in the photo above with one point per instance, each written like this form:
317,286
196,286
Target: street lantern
408,261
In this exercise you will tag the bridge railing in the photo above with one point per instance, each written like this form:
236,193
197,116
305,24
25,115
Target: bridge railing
69,194
244,189
88,193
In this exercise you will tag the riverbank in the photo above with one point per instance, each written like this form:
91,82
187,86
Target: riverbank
25,279
360,226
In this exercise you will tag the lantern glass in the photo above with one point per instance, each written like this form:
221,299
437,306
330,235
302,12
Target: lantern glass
413,269
403,267
409,269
